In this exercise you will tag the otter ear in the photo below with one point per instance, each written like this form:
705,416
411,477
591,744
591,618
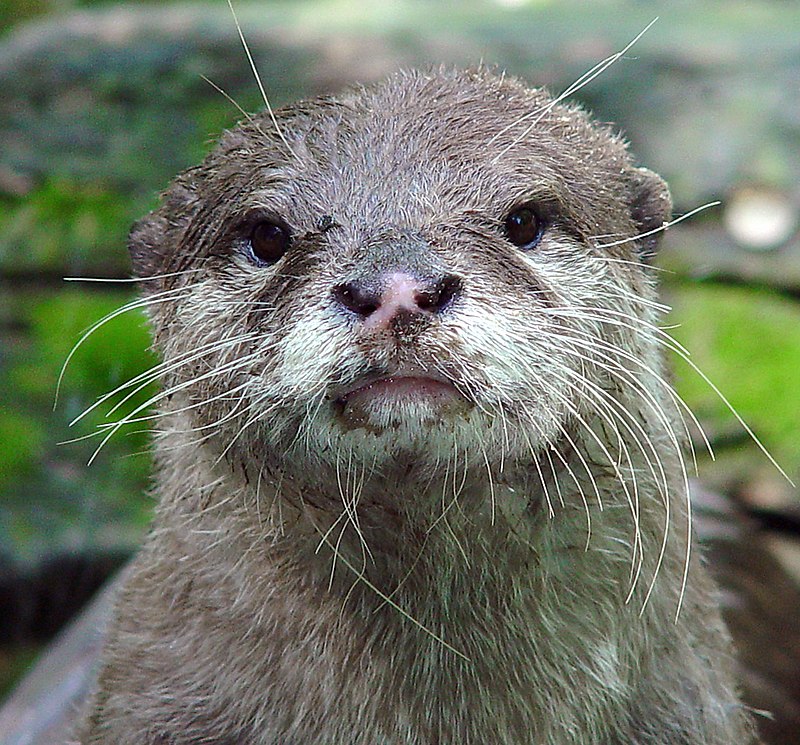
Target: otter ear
151,239
651,207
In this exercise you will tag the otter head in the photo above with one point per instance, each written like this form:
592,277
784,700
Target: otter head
443,262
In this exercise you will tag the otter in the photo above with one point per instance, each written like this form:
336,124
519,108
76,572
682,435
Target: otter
421,476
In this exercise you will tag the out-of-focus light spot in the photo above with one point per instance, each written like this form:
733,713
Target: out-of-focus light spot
760,218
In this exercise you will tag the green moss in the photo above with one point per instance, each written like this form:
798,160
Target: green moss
748,343
14,661
63,224
13,12
52,500
17,430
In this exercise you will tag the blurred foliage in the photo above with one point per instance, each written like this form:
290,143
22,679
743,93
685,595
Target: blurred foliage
122,116
14,12
747,342
51,502
84,223
13,662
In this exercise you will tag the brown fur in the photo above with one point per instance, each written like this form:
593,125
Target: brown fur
506,570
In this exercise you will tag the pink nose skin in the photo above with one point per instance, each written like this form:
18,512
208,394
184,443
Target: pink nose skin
397,295
401,292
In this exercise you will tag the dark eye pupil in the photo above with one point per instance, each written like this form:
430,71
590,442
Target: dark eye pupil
269,241
522,227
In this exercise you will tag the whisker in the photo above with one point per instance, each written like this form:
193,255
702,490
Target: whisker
730,407
142,380
244,113
659,229
257,77
582,81
131,280
388,600
166,296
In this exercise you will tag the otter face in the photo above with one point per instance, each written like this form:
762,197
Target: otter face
402,271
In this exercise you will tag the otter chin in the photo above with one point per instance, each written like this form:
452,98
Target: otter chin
382,403
420,475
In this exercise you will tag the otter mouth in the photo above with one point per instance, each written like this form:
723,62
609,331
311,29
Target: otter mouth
380,402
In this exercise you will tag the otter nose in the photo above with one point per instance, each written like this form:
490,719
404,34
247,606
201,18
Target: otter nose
397,294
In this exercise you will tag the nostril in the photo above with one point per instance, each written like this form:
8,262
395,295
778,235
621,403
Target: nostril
379,299
439,295
356,298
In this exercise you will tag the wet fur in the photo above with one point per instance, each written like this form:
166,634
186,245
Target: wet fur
507,572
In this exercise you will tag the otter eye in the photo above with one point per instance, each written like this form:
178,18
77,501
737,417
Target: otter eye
269,241
523,227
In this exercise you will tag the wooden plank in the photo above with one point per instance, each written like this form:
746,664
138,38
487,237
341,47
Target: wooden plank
42,708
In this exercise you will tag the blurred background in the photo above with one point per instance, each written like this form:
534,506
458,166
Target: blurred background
101,103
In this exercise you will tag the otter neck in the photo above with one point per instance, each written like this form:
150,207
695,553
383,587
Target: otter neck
516,526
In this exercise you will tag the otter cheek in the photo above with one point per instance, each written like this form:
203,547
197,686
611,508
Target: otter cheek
310,351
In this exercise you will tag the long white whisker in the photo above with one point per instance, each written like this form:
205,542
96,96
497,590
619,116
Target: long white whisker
388,600
167,296
660,228
235,103
258,79
582,81
146,378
